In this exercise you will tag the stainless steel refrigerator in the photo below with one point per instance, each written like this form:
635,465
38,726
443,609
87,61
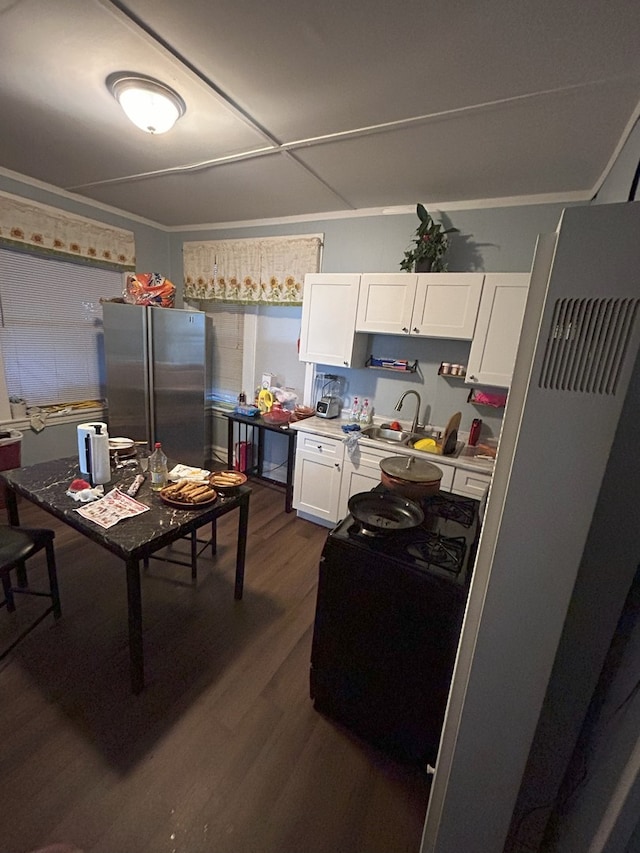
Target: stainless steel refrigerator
157,377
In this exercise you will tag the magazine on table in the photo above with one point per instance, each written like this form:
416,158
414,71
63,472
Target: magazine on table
112,508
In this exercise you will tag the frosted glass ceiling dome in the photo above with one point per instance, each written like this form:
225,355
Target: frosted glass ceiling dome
148,103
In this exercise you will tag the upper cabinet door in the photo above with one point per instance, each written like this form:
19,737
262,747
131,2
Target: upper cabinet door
446,305
495,342
427,305
329,304
385,303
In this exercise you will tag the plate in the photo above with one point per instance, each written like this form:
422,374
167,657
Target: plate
186,504
236,479
121,443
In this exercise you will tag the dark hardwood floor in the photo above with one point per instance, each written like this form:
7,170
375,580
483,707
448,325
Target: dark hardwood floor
223,751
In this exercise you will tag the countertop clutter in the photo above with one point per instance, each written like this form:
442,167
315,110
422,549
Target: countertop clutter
471,458
332,465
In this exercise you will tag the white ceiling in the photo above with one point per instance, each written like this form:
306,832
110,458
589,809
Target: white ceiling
301,107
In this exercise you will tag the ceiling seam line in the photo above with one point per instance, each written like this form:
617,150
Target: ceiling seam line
404,122
355,133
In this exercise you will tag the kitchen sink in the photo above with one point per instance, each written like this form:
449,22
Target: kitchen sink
404,438
415,437
393,436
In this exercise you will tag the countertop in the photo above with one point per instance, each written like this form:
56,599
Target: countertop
469,458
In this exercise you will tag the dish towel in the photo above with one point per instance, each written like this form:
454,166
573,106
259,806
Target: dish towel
351,439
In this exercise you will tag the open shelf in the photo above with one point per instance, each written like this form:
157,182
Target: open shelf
491,400
398,365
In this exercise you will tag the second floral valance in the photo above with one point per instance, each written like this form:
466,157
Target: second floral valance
250,271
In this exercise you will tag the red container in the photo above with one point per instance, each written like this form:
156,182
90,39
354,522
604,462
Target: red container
474,432
243,455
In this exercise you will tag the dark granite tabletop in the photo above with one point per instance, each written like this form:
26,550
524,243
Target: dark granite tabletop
46,484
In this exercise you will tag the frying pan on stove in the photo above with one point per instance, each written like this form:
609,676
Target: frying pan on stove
383,512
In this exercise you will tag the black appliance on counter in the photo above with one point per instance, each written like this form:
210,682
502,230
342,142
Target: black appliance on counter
388,617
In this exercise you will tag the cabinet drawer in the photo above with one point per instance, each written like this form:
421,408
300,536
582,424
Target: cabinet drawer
312,444
370,457
470,483
446,484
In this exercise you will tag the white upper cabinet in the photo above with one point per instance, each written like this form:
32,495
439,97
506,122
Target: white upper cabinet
386,302
329,306
432,305
495,342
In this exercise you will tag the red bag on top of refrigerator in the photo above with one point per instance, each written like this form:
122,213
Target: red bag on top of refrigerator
149,288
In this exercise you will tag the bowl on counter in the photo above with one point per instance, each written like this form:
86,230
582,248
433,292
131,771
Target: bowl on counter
277,416
302,412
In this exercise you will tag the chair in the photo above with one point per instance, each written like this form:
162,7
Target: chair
18,544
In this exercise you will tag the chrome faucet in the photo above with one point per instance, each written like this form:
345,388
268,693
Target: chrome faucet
398,406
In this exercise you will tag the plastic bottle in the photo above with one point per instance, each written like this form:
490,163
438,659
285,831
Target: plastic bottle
365,414
158,468
474,432
355,411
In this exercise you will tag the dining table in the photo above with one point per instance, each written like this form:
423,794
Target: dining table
134,539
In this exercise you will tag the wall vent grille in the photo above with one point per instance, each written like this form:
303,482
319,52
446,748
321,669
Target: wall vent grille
587,343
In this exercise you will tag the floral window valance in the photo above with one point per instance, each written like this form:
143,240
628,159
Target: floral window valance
39,228
258,271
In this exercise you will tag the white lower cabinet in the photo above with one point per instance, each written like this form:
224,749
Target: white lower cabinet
318,474
470,483
327,475
360,474
446,484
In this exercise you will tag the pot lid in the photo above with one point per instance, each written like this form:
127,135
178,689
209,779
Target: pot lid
410,468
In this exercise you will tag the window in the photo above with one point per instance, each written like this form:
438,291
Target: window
51,327
228,335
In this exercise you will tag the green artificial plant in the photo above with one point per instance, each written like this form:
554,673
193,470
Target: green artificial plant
429,244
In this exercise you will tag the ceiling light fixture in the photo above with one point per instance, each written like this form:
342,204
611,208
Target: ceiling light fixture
148,103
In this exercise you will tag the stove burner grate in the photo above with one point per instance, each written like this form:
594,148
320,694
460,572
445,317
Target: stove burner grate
462,510
446,552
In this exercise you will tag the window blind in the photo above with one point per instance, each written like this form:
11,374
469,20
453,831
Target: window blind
228,337
51,327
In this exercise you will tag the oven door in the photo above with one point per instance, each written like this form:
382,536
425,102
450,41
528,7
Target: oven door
384,644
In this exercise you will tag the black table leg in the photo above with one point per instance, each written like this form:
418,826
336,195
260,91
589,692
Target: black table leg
194,555
230,444
12,508
243,527
134,602
14,520
291,452
260,452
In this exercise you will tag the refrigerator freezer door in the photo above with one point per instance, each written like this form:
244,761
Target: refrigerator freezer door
156,379
177,381
125,347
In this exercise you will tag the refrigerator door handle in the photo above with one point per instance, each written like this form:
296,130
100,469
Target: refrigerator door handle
150,415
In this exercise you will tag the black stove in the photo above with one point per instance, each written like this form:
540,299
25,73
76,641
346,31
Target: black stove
388,618
443,544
